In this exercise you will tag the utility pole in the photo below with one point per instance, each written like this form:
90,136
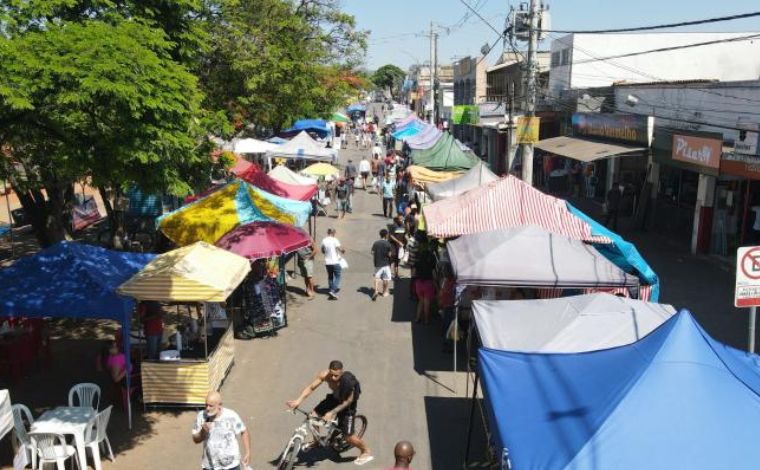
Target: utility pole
432,74
530,89
510,108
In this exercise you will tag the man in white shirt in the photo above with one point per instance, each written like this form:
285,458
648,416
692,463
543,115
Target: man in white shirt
332,250
364,169
217,428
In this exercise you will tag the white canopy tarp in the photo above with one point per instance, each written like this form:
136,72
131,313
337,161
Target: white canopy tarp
284,174
253,146
303,146
566,325
476,177
6,415
530,256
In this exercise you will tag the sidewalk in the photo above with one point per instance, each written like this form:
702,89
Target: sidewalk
702,284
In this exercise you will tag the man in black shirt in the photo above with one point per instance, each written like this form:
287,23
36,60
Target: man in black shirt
381,254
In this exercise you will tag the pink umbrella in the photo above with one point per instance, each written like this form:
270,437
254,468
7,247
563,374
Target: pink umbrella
264,240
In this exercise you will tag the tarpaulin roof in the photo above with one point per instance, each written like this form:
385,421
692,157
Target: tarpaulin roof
356,107
253,146
277,140
506,203
286,175
675,399
531,256
403,121
321,169
196,273
236,203
585,150
425,138
317,126
423,176
256,176
71,280
259,240
446,154
303,146
476,177
407,132
574,324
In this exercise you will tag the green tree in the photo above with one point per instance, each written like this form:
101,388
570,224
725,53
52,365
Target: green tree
99,101
389,77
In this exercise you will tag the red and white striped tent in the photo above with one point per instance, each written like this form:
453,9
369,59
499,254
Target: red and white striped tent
503,204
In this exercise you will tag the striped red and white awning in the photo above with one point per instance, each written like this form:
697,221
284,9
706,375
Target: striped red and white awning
502,204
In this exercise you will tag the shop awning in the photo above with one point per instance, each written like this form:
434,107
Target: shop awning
585,150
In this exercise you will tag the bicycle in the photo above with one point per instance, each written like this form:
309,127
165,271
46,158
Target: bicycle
315,432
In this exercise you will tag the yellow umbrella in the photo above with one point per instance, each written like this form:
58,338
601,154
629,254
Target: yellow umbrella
321,169
195,273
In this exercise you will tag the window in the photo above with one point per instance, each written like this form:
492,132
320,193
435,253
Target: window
555,59
565,59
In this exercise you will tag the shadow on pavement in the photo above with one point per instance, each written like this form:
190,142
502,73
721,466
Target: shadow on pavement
447,421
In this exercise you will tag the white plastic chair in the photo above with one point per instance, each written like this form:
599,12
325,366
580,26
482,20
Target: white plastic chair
87,394
22,417
52,448
96,436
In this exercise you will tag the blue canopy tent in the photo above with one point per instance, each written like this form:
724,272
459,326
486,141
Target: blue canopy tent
316,126
675,399
72,280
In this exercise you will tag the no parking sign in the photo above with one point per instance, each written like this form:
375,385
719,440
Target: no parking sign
747,292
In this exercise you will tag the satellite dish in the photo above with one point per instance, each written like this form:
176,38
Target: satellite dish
485,49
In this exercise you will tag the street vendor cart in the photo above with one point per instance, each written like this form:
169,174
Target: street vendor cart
198,276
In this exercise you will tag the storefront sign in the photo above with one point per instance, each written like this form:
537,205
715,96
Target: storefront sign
528,129
627,128
465,114
697,150
745,166
746,143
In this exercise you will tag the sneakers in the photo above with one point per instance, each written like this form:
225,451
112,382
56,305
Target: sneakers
386,294
332,295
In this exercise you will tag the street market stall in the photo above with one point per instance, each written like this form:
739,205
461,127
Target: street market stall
303,148
575,324
286,175
195,274
237,203
72,280
253,174
321,171
422,176
425,139
476,177
445,155
253,146
675,399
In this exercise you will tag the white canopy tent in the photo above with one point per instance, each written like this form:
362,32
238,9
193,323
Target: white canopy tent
303,147
530,256
284,174
566,325
253,146
474,178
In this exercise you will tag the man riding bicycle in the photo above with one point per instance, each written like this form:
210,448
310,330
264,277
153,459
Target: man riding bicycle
341,403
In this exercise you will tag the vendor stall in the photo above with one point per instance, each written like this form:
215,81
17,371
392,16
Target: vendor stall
476,177
193,275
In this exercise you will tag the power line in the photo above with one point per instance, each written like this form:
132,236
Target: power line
500,33
661,26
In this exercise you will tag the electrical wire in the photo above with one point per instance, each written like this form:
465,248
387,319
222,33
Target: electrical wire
661,26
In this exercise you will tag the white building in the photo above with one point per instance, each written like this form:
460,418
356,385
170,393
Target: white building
575,60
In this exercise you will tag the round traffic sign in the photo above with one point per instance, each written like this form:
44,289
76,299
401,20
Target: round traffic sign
750,264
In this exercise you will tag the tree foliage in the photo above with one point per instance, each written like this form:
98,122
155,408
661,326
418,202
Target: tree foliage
389,76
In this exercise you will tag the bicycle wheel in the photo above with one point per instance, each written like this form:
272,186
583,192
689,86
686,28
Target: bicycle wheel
339,443
290,455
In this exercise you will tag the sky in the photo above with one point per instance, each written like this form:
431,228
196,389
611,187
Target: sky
398,26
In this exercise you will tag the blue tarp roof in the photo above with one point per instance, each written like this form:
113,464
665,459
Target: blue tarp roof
71,280
316,126
675,399
356,107
277,140
624,254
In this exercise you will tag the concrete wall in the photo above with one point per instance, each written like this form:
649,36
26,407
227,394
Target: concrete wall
738,60
726,104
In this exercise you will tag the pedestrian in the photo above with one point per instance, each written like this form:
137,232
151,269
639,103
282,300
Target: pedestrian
403,452
332,250
381,255
398,238
350,206
388,190
612,205
341,196
402,193
424,286
364,170
377,151
153,327
306,257
350,170
218,429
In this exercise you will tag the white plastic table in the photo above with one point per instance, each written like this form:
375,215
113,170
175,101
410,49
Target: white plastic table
71,420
